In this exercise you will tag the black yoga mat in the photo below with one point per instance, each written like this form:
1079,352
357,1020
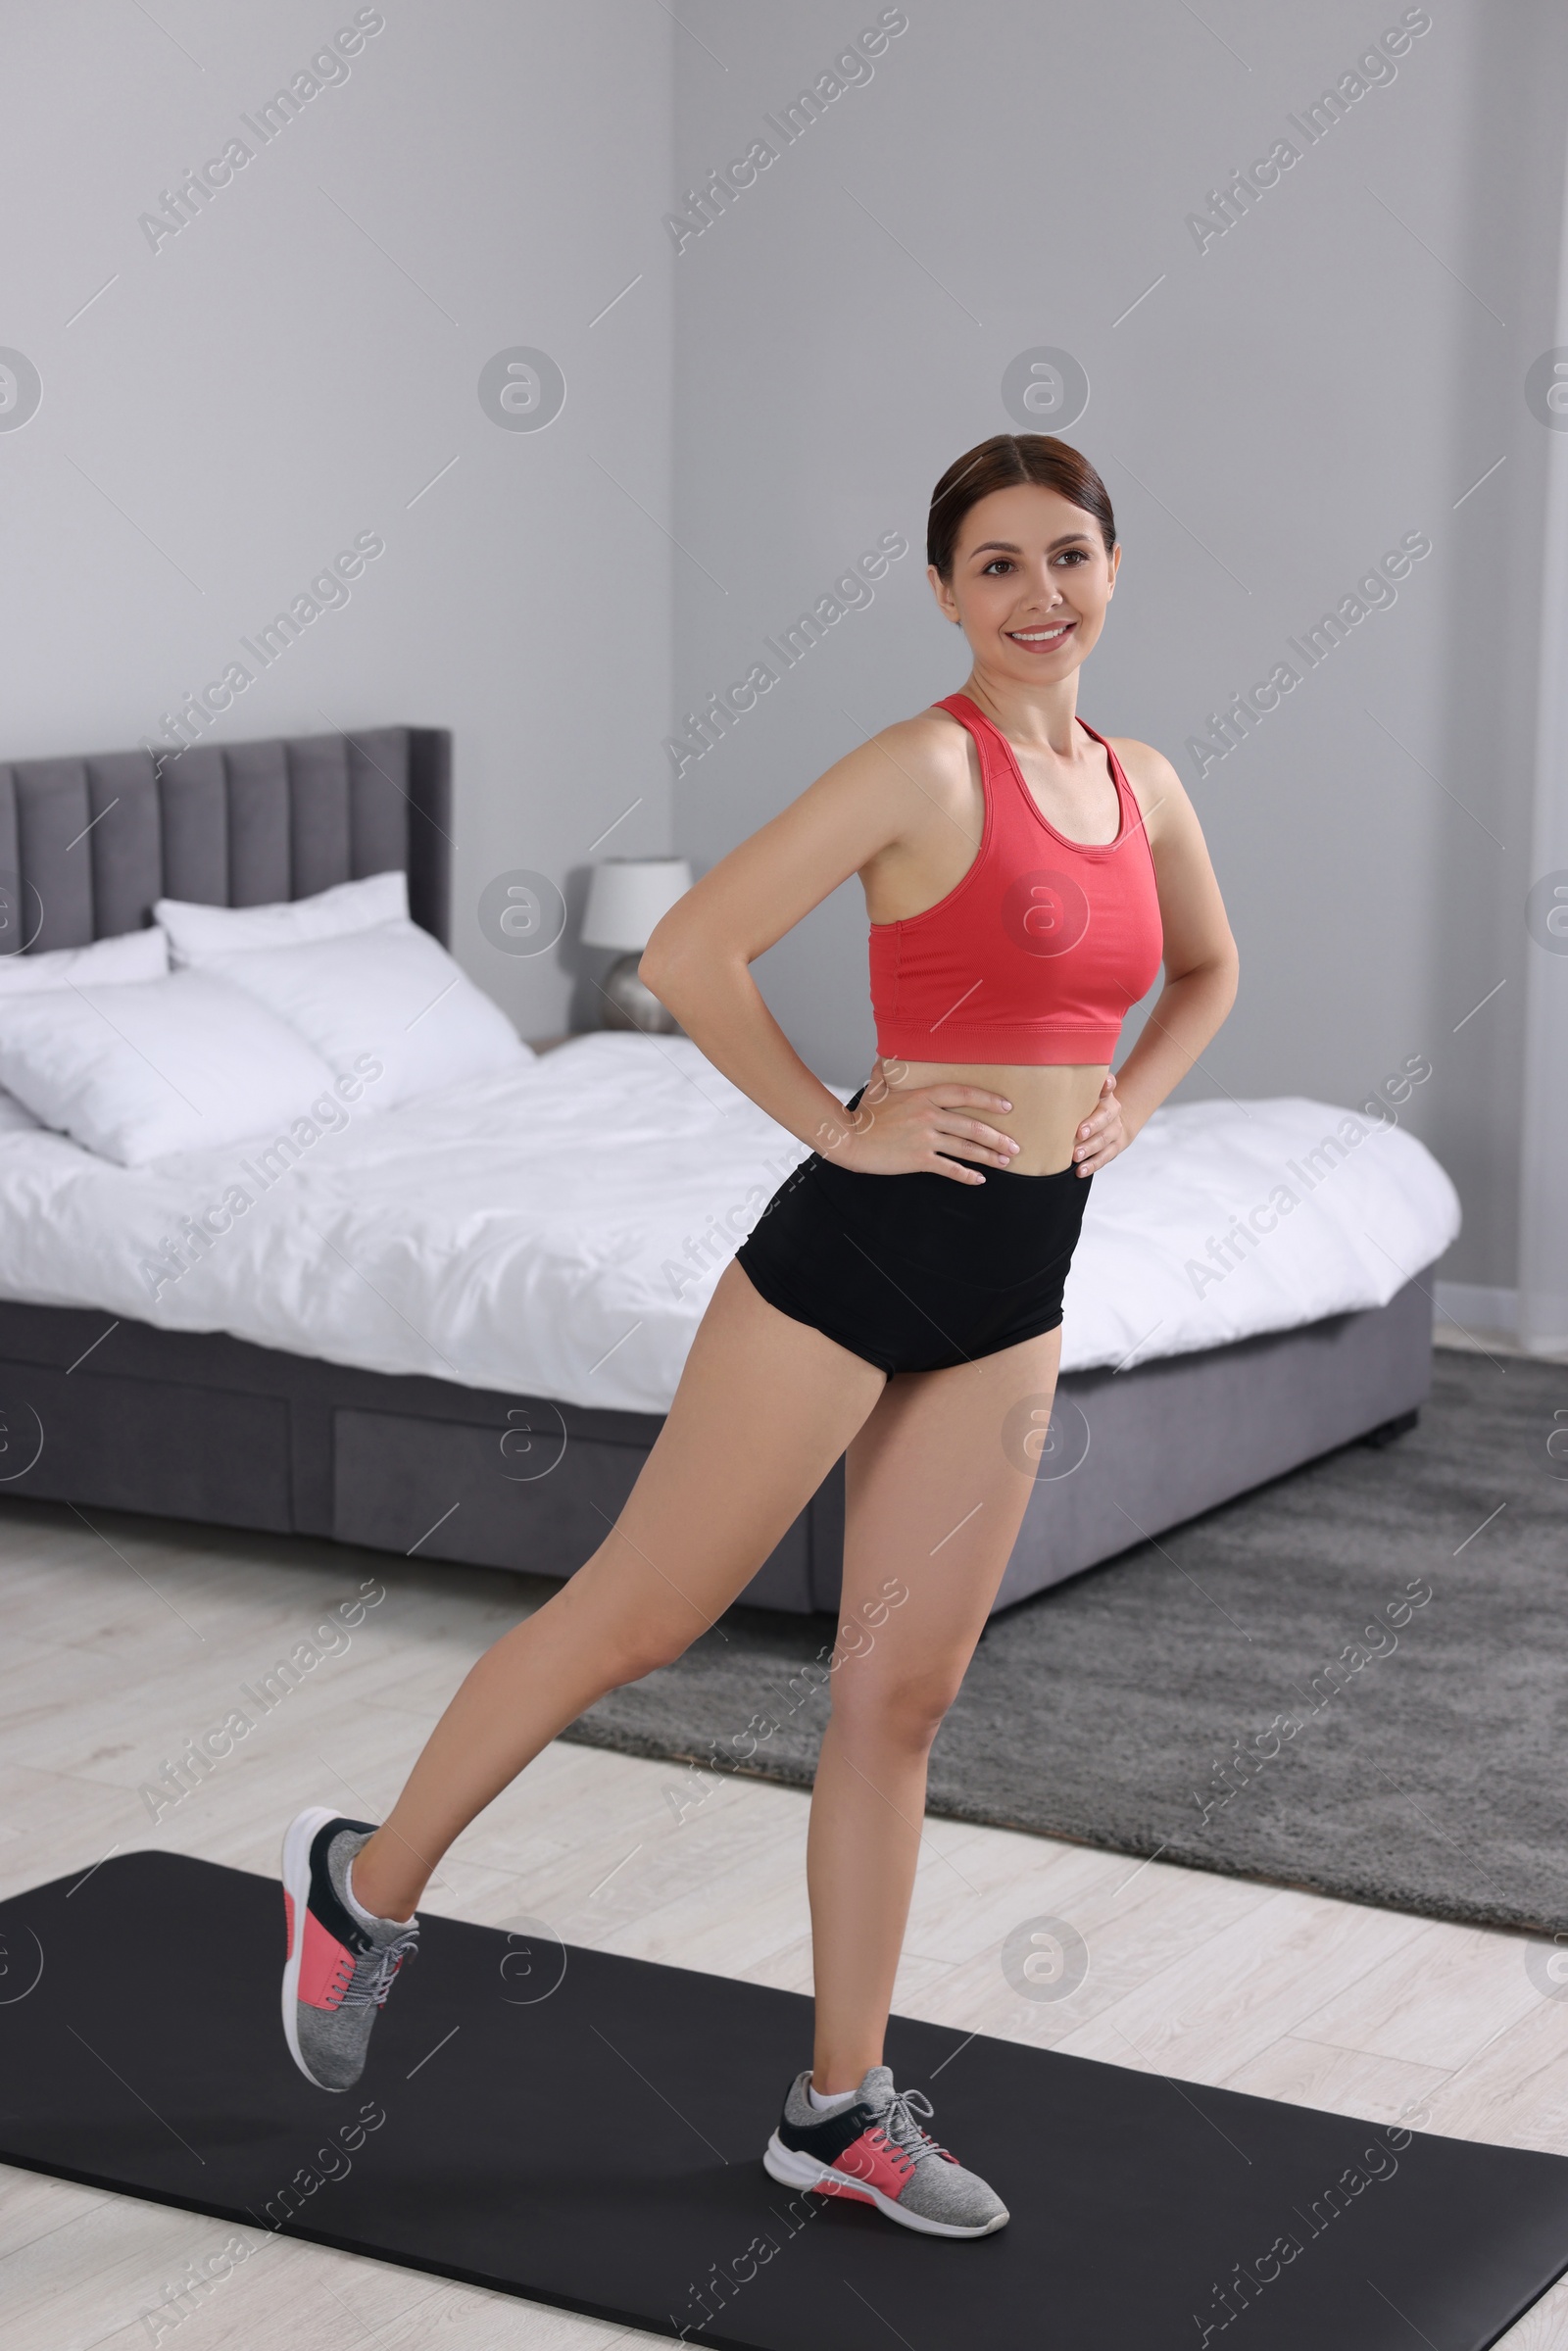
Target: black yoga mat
587,2130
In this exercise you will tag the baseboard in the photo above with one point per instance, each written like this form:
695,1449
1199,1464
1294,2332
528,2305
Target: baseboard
1475,1307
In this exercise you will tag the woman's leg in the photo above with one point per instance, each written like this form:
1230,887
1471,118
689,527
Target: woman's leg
765,1407
933,1504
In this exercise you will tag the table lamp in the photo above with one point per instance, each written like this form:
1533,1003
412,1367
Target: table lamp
626,897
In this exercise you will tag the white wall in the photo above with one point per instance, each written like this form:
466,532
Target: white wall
1336,370
273,379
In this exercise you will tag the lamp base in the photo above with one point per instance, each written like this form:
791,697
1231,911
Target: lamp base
629,1005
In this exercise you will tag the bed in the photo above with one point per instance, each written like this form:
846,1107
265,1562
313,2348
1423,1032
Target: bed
453,1332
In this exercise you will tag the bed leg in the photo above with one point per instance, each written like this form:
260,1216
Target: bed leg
1400,1426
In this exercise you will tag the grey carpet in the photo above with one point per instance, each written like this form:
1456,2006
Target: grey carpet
1221,1698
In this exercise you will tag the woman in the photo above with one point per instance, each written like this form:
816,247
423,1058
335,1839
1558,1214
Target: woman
899,1300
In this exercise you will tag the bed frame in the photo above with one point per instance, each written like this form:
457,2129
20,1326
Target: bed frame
118,1415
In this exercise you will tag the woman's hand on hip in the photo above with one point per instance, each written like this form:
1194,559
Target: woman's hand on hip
915,1129
1103,1134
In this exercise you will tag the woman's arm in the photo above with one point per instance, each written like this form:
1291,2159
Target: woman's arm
1201,966
697,963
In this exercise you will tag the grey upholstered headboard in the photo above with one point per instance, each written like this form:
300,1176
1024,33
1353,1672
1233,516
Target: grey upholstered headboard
87,845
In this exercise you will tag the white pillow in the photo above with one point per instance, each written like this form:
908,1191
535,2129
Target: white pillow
198,933
392,994
132,955
174,1064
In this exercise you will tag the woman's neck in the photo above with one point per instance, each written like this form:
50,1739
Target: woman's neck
1040,717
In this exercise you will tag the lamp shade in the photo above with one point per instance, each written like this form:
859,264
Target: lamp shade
628,896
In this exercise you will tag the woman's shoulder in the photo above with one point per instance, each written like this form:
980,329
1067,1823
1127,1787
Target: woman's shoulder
931,735
912,773
929,745
1153,780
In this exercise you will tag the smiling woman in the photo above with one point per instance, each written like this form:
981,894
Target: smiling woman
1024,876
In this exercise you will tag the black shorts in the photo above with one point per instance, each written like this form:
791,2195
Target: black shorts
918,1273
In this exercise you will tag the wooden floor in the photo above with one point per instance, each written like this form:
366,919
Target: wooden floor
123,1637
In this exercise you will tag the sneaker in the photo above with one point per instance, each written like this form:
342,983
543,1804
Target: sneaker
338,1972
874,2149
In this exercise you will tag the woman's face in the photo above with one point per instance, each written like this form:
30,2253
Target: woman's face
1030,584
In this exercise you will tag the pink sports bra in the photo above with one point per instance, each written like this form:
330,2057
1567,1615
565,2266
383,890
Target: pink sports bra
1036,954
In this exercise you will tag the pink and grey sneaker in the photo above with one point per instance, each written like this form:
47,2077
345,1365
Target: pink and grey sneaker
872,2148
341,1962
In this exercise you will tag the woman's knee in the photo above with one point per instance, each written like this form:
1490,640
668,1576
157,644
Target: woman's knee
898,1709
643,1648
628,1636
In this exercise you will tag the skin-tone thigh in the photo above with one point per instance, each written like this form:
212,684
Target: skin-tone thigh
765,1407
938,1479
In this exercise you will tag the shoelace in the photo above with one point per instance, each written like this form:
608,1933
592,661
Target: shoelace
373,1976
902,2135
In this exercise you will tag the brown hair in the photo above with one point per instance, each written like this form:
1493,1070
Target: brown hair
1001,464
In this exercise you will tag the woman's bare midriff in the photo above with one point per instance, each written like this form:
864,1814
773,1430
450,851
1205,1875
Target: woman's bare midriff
1049,1103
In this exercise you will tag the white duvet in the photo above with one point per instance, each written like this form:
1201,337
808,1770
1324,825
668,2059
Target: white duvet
558,1232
